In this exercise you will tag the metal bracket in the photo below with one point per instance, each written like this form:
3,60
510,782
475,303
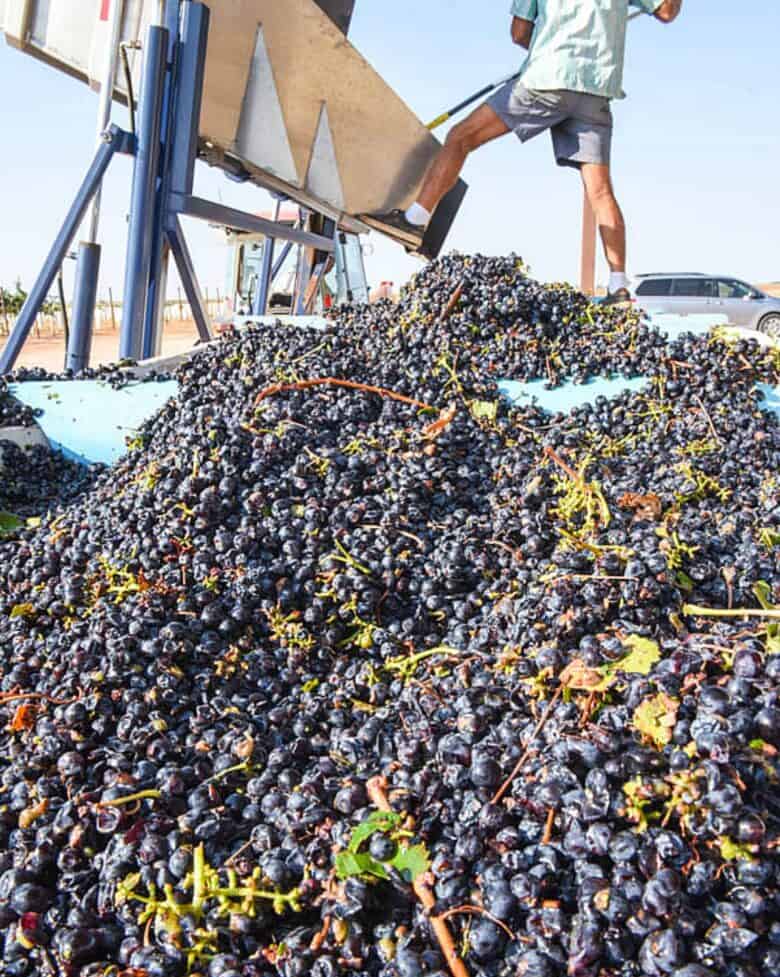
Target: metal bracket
124,142
239,220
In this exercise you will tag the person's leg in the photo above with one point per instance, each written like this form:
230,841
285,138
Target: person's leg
482,126
609,217
513,108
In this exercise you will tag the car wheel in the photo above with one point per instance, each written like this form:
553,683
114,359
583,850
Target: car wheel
770,324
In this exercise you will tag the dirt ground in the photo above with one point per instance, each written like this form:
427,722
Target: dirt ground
49,352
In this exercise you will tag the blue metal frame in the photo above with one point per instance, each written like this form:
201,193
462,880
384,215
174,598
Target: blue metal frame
260,299
158,266
85,287
261,296
165,154
183,259
239,220
84,296
115,141
145,175
279,263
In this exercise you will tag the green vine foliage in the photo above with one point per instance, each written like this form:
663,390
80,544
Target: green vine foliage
206,894
409,861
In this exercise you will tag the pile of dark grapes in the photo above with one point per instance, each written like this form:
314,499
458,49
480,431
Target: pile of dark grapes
116,375
35,479
340,556
12,412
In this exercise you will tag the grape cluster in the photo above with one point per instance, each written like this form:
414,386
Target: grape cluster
341,555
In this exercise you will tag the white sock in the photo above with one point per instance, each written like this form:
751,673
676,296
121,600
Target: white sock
418,215
617,280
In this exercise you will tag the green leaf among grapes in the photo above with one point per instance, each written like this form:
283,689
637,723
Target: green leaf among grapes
9,523
684,582
761,746
412,862
350,864
643,654
763,594
655,719
409,861
23,610
384,822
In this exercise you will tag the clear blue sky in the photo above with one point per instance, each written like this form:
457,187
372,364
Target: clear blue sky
696,152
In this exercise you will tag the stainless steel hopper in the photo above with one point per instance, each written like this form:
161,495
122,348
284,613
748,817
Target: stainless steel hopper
287,102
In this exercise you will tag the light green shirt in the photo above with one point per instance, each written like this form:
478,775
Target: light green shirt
578,45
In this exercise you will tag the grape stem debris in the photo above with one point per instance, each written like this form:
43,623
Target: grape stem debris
478,911
279,388
499,795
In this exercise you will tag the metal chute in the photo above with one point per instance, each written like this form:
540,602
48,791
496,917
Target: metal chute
288,102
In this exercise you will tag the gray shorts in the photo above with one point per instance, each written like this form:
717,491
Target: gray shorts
580,124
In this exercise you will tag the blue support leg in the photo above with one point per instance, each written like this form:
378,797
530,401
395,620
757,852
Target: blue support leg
183,259
279,263
115,141
84,295
260,302
190,73
145,176
158,264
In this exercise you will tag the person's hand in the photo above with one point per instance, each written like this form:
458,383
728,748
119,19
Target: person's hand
522,31
668,11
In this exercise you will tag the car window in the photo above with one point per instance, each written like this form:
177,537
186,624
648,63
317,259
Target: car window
655,287
728,289
696,288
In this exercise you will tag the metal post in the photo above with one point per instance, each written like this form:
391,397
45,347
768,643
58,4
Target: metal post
190,72
84,294
588,258
145,174
279,263
106,99
260,303
154,319
80,339
302,275
88,267
342,249
111,304
183,97
114,141
183,260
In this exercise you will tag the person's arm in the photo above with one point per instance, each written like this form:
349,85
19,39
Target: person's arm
524,13
522,31
664,10
668,11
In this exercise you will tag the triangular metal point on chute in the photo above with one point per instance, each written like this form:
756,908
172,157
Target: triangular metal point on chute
262,132
323,179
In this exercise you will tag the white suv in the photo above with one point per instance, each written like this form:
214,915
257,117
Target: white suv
688,294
